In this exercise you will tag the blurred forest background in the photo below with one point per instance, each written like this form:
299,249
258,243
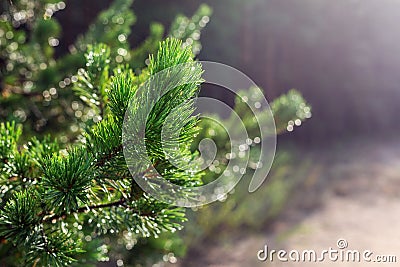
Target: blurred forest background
342,55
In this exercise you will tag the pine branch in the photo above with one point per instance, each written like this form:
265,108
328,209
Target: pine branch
121,202
78,181
103,160
39,181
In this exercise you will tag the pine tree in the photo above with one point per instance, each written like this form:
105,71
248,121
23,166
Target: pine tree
35,87
48,194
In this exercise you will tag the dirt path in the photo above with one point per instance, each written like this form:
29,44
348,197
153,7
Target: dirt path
352,192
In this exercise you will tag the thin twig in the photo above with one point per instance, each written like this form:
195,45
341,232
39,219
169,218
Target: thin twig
121,202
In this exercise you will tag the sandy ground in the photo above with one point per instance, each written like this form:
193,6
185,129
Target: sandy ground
351,193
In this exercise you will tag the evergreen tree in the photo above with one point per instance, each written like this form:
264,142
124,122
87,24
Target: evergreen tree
35,85
49,194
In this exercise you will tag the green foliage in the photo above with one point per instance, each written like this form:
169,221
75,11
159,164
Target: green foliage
164,107
28,67
19,217
124,85
89,183
21,223
39,150
170,55
66,180
9,136
92,83
189,29
289,111
112,27
34,83
239,208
